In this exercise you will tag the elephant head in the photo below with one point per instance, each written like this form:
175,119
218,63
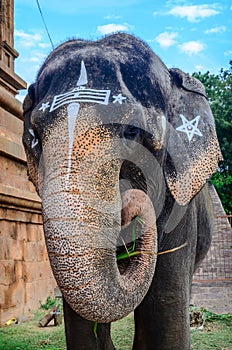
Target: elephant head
110,133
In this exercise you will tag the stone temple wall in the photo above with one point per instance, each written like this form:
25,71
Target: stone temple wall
25,274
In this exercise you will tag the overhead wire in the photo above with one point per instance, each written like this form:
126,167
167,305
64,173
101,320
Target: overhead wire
41,14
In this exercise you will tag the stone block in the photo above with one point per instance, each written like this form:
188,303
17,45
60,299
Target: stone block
3,224
44,288
22,231
37,219
2,274
30,251
3,291
43,271
30,299
19,269
7,275
40,233
13,294
11,228
29,271
2,248
42,251
216,290
16,249
16,293
11,126
32,233
198,288
11,249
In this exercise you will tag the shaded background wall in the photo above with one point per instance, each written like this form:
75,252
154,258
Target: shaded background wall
25,275
212,282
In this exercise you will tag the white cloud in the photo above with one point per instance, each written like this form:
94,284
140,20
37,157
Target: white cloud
36,57
112,17
191,47
44,45
113,28
199,68
220,29
228,53
194,13
166,39
26,39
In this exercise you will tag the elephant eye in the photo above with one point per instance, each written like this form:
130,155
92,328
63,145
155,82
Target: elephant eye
131,132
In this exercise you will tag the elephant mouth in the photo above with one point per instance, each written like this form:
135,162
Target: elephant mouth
133,240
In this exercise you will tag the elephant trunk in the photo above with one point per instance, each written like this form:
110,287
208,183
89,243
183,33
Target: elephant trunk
83,213
82,253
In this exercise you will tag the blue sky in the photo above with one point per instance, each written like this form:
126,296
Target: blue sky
191,35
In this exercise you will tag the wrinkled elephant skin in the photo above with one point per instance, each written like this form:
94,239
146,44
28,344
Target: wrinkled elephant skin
119,149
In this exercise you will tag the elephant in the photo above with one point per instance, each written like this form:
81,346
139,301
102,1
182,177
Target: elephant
120,149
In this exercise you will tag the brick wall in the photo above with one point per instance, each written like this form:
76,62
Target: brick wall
25,275
212,282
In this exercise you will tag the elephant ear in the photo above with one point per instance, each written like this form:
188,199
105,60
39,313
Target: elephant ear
187,82
193,151
31,142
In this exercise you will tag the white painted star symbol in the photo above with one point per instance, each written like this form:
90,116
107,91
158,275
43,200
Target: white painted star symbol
119,98
190,127
44,106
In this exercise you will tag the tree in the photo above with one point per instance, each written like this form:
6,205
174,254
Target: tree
219,92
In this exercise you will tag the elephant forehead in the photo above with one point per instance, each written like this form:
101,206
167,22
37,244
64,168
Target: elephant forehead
84,140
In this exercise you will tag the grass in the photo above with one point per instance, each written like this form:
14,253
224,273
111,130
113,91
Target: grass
29,336
216,335
122,333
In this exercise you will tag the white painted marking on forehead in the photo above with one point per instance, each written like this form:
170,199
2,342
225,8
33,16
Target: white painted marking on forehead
81,93
118,98
83,80
73,110
44,106
164,123
35,140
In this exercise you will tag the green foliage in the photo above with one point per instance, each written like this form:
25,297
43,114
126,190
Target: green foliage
51,303
219,92
211,316
131,251
222,180
95,329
